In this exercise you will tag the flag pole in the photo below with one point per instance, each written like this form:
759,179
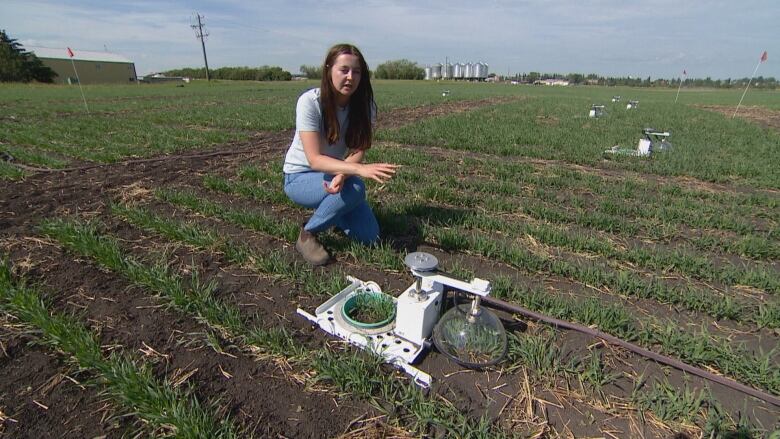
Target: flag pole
78,80
678,88
763,58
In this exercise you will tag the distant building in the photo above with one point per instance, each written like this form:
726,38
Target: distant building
92,67
156,78
552,81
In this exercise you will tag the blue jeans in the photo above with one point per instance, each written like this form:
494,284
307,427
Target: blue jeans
347,210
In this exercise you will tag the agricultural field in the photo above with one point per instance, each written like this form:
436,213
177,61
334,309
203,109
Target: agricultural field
149,284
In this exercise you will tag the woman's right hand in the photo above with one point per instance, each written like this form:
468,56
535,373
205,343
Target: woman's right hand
379,172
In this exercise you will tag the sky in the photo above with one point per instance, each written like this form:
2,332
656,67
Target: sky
657,38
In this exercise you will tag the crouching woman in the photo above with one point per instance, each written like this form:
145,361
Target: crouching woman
324,164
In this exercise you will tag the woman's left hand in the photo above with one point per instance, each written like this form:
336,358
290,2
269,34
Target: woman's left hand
335,185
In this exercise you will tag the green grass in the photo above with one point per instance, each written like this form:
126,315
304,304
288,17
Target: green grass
367,307
351,373
490,201
538,353
698,348
168,411
162,119
10,172
623,282
380,254
694,347
33,157
275,263
193,295
670,403
557,194
709,146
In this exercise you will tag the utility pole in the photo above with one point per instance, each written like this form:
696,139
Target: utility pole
202,37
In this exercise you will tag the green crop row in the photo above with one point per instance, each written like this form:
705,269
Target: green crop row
614,214
621,281
618,281
694,347
709,146
545,205
767,314
697,348
351,373
380,254
10,172
655,259
513,177
131,383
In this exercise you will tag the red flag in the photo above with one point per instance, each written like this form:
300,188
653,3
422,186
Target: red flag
70,52
763,56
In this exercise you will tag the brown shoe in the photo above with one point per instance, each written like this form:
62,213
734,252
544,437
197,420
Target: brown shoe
311,249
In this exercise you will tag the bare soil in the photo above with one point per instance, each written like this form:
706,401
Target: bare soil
266,398
765,117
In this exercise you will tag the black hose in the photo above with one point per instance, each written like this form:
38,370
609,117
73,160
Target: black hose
512,308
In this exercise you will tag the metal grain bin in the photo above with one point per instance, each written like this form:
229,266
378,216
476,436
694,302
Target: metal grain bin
436,71
458,70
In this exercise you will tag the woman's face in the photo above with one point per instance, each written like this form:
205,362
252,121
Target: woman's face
345,76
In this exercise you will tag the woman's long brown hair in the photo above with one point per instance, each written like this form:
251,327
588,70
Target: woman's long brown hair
358,136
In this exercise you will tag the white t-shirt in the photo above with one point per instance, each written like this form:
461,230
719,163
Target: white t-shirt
308,117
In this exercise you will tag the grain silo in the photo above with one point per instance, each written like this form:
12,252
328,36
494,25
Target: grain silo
436,71
446,71
458,70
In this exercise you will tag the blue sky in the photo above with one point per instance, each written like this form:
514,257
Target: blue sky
657,38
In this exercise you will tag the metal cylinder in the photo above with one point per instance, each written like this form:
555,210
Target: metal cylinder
436,71
457,71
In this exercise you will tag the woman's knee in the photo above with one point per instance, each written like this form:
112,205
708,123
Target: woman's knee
354,191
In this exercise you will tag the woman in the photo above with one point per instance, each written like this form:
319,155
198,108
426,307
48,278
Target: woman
324,164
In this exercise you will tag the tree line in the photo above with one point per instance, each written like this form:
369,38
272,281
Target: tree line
405,69
263,73
594,79
397,69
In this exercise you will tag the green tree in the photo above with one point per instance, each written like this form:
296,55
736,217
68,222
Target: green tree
18,65
311,72
263,73
576,78
399,69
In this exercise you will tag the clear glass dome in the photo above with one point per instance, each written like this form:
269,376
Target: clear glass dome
471,340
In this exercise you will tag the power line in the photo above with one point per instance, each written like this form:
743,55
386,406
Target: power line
199,34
